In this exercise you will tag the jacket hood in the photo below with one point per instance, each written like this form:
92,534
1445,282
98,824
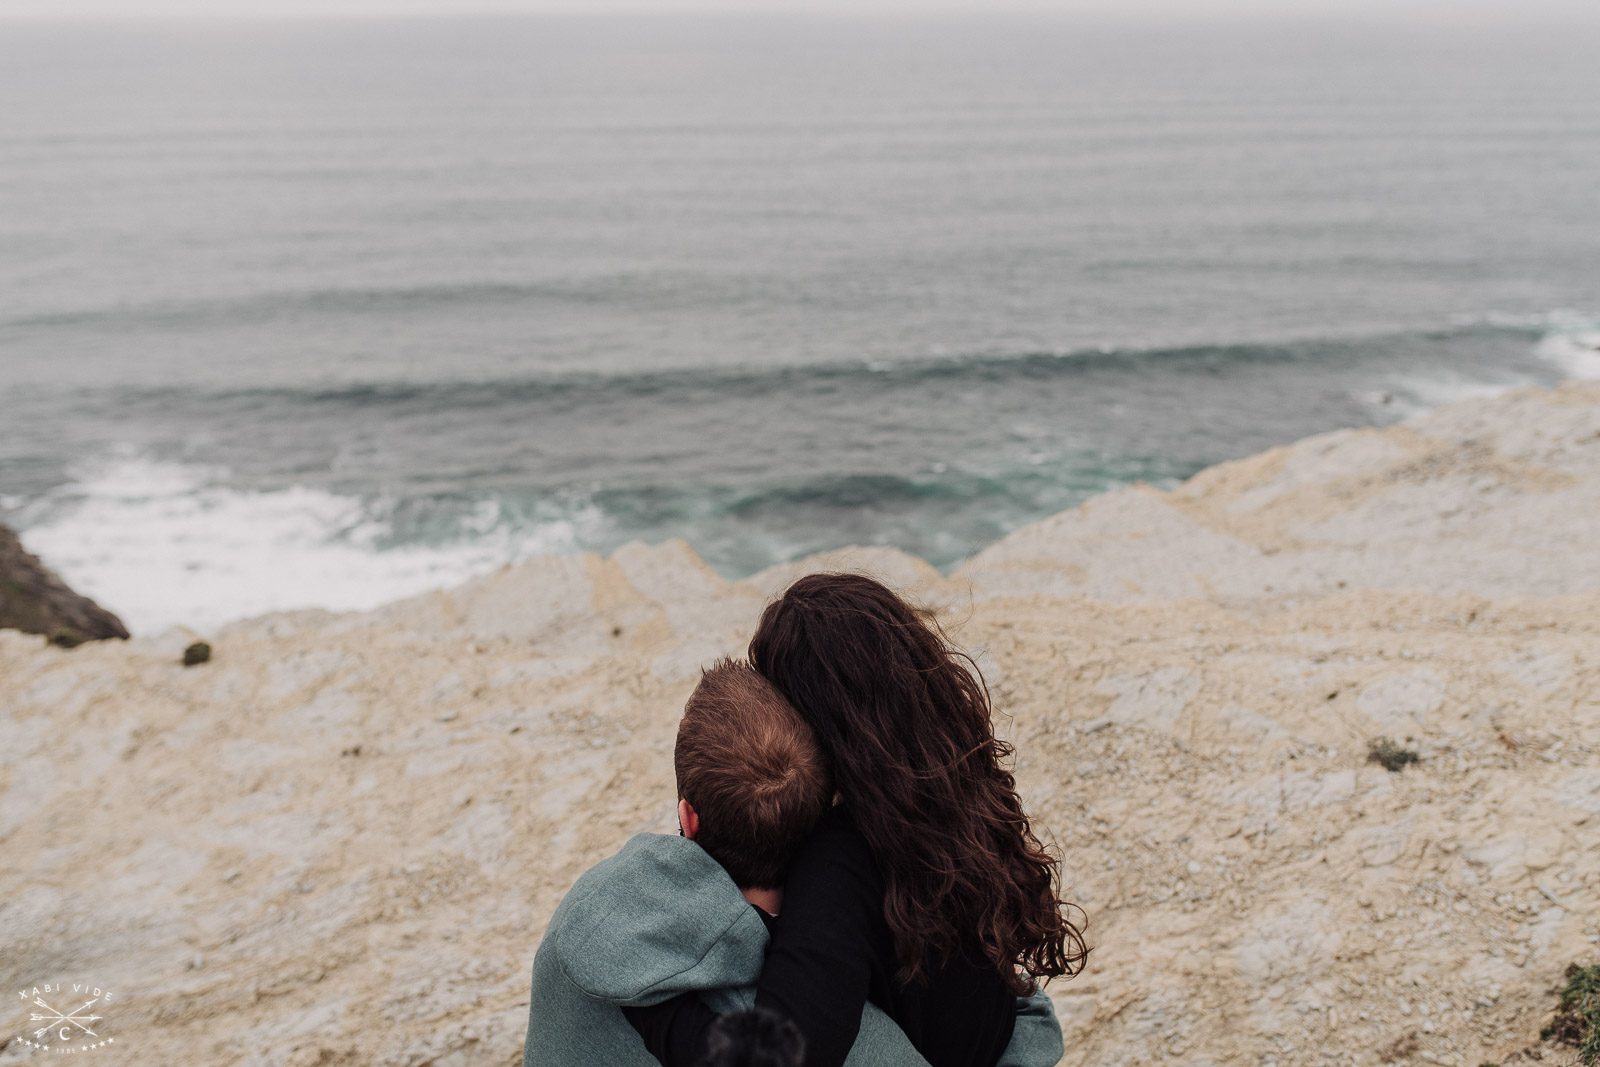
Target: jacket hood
659,918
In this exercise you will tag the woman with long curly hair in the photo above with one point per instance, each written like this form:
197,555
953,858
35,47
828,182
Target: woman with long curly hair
924,890
965,893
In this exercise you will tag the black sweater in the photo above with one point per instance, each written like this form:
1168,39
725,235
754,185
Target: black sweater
831,952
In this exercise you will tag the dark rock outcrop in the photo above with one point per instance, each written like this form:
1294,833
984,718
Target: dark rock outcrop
34,600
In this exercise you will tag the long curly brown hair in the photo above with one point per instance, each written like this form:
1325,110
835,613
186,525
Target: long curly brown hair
904,718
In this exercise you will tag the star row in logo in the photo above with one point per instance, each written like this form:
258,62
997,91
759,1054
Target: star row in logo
59,1049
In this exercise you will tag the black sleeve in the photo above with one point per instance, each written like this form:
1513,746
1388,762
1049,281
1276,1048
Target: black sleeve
819,967
674,1031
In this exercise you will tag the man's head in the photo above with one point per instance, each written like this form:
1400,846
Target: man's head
751,773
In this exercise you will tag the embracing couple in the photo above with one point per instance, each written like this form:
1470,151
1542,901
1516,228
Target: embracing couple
855,881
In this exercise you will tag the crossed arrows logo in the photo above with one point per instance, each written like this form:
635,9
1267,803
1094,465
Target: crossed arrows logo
57,1019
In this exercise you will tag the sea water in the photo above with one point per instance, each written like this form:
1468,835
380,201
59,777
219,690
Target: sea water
326,313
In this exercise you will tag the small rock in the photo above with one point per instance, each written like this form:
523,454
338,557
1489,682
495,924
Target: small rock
197,653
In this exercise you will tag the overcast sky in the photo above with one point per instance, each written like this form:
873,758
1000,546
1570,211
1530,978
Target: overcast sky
1430,10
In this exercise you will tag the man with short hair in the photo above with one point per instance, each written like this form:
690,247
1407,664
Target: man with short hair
752,783
670,915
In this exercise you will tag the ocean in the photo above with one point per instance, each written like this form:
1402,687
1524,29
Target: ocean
322,314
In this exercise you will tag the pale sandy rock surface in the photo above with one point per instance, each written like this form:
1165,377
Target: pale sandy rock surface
1496,498
339,841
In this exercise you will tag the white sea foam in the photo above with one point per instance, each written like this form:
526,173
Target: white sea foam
1571,340
1418,394
1571,343
1576,351
162,544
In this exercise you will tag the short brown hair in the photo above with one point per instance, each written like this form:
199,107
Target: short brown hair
751,768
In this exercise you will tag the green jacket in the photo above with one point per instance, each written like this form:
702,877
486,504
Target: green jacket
660,918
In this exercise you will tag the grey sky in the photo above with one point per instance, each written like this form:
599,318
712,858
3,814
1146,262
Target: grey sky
1430,10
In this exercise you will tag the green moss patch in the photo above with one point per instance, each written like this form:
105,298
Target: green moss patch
1390,755
1577,1021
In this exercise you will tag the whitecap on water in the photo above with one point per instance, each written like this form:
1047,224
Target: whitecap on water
166,544
1576,350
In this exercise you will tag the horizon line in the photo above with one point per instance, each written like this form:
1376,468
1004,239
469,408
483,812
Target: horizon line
1487,13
